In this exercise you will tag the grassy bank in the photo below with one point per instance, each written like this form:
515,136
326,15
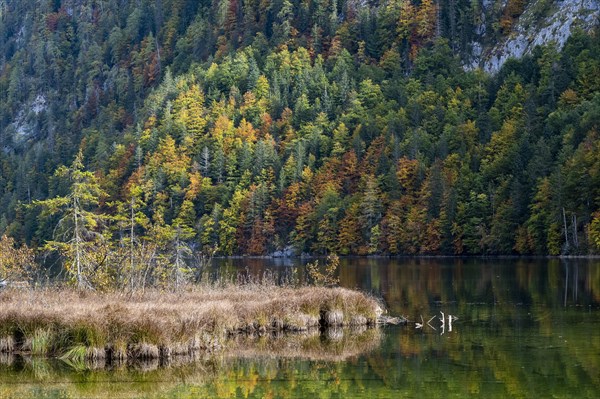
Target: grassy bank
88,325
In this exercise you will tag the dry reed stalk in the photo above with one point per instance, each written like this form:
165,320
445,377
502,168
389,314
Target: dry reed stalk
7,344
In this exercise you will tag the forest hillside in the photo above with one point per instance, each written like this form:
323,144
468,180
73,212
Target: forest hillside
317,126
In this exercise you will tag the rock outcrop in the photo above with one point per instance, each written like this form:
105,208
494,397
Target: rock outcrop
542,22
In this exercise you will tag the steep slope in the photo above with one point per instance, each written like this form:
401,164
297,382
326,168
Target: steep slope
325,126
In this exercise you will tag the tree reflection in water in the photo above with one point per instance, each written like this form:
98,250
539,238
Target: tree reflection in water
526,328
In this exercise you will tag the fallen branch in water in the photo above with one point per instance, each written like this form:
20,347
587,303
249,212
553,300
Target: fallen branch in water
442,320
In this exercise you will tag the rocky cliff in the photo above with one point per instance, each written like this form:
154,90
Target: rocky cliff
542,22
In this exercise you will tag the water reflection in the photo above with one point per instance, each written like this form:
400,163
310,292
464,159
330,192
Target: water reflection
247,358
525,328
416,283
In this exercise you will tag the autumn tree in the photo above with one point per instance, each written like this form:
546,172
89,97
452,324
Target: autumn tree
79,234
16,263
595,230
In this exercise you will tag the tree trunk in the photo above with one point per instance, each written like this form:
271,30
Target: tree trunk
566,231
77,243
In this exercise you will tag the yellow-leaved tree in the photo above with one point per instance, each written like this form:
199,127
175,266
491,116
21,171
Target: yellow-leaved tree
17,264
595,230
189,108
78,236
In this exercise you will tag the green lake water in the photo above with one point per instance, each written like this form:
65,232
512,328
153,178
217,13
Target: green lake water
525,328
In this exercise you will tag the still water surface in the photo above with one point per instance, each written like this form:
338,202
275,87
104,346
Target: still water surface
525,328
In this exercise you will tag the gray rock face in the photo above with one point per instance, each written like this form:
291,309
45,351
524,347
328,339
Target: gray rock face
531,31
287,252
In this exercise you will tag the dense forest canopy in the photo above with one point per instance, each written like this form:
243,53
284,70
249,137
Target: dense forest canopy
327,126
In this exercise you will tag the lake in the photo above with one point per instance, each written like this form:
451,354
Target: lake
523,328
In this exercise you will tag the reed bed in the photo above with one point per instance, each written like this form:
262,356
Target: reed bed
113,327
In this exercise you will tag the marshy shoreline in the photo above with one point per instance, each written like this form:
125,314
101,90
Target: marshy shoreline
79,326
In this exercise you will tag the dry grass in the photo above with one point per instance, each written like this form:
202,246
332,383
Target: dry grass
88,325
